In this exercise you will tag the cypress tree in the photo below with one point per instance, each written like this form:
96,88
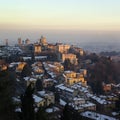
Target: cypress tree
27,106
7,107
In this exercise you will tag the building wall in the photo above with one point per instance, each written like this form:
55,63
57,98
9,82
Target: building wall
83,71
71,57
71,81
20,66
41,103
70,74
47,83
27,41
37,49
73,77
52,47
63,48
3,67
107,87
79,101
50,99
43,41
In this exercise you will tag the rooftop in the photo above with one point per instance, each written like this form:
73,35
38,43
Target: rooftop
97,116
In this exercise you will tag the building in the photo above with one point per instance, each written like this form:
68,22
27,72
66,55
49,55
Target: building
37,68
48,97
84,72
77,50
102,104
19,41
90,115
55,67
27,41
83,106
78,101
66,93
70,74
39,101
20,66
40,58
6,42
30,80
43,41
3,67
48,83
107,87
72,77
62,48
71,57
37,48
51,47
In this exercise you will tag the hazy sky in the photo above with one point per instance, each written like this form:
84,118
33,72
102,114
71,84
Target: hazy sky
60,19
60,14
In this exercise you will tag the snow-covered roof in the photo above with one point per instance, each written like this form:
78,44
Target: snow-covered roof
13,64
88,104
89,95
33,79
62,102
44,93
82,105
30,79
99,100
37,99
45,80
115,113
69,90
49,110
26,78
68,71
82,69
18,110
96,116
79,99
57,86
40,57
53,109
62,87
15,99
52,66
26,58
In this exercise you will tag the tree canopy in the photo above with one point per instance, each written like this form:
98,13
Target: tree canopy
7,107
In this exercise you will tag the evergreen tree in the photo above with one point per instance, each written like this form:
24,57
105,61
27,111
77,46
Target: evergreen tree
117,104
41,114
39,85
33,56
7,107
57,97
67,64
26,71
66,113
70,114
27,106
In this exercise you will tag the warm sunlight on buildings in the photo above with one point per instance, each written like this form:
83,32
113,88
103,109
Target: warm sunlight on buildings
71,57
63,48
37,48
20,66
73,77
3,67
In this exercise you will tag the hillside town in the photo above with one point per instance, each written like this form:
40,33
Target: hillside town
58,82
